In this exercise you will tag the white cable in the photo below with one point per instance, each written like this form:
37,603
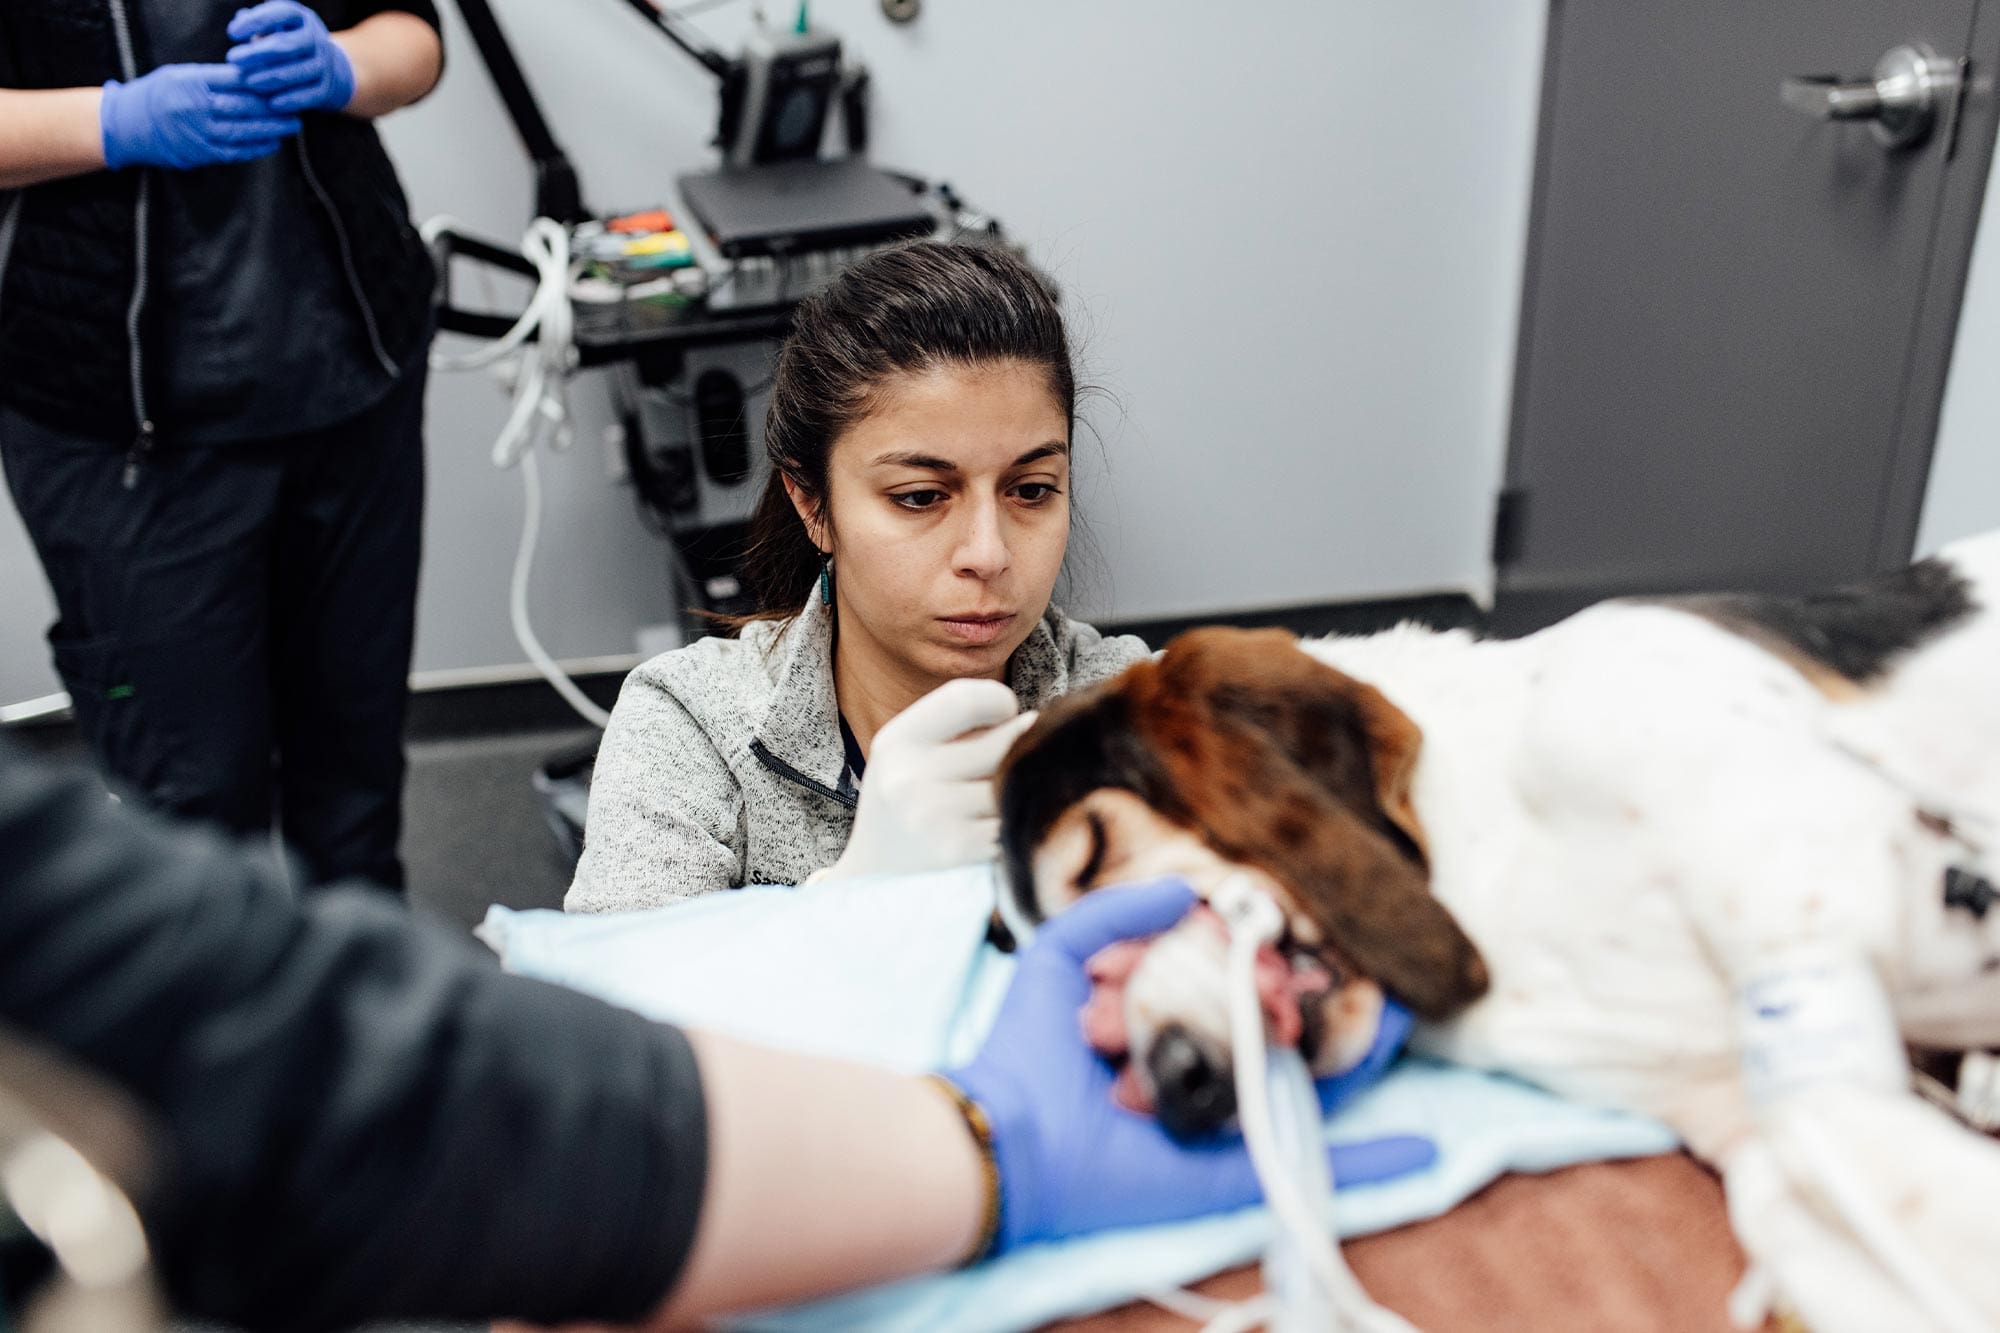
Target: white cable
1257,1312
524,560
1341,1303
539,375
1192,1305
1254,920
531,317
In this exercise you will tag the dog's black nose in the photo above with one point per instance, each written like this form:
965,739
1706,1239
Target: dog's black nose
1195,1095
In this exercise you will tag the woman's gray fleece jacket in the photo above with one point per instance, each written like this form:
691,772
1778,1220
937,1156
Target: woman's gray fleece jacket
723,765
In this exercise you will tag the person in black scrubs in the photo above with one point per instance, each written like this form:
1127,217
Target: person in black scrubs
214,323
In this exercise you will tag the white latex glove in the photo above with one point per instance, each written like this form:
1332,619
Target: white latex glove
927,800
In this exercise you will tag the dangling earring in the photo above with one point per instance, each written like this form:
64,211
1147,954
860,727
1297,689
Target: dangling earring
826,580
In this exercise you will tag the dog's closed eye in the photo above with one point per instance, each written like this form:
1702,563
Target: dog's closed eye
1094,862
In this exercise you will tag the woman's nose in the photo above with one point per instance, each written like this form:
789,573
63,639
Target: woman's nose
982,547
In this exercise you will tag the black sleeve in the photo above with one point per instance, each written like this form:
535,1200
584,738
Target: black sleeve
365,1117
358,10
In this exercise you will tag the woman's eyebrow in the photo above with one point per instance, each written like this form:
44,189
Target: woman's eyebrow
929,463
924,461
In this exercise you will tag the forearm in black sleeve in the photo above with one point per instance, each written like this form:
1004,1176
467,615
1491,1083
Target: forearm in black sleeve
366,1118
358,10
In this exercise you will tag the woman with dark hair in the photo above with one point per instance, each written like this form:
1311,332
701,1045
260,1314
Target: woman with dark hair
905,553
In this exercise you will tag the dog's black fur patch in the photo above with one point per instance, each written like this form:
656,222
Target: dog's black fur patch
1969,892
1857,631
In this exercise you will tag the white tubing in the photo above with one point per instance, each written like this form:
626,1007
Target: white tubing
1193,1306
539,378
524,560
1304,1228
1353,1307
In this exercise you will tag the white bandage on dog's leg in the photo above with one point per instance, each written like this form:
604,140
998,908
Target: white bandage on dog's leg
1816,1015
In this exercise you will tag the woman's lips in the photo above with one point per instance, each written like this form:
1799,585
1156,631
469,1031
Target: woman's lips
976,630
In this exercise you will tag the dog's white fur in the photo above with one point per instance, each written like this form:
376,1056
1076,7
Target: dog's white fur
1636,812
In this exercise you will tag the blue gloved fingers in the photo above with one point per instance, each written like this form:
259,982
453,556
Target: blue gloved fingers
294,100
185,116
275,48
271,16
308,77
1368,1160
220,76
1135,1175
1217,1176
235,133
290,54
1390,1034
1106,916
240,106
276,55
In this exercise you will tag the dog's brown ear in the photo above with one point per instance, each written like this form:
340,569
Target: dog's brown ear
1393,744
1293,766
1371,901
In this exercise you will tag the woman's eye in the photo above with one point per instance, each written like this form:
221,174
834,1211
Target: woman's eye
918,499
1035,492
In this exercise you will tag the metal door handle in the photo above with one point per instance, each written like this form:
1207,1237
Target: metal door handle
1911,86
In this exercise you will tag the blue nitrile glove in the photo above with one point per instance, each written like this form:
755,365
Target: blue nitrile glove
186,116
286,54
1071,1160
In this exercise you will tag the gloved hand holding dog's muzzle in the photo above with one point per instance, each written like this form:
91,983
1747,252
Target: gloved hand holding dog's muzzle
1070,1160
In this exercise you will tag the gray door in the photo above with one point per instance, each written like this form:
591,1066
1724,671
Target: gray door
1738,316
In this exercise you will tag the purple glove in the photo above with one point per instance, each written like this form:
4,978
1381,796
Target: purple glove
1071,1160
185,116
286,54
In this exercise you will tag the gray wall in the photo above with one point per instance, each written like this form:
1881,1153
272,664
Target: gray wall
1291,236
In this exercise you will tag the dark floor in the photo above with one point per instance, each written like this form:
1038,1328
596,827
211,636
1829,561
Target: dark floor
474,829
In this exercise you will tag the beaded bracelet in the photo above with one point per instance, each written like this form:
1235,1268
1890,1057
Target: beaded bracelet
989,1166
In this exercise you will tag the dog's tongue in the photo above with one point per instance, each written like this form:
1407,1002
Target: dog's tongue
1130,1091
1104,1016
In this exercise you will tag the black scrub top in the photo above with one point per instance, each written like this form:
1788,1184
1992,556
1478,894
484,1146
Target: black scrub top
264,335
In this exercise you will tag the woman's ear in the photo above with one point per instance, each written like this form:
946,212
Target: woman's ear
811,511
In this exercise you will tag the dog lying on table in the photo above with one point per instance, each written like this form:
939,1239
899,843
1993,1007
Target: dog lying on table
1709,859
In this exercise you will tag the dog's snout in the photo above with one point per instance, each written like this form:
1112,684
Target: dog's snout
1195,1095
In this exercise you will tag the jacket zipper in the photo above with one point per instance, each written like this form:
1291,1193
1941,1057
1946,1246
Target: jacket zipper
144,436
347,261
785,770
